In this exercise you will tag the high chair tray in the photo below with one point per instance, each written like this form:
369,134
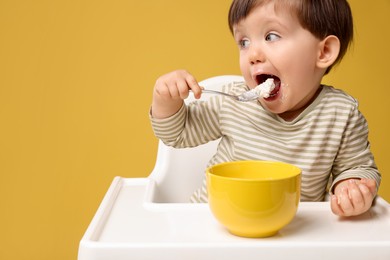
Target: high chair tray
129,226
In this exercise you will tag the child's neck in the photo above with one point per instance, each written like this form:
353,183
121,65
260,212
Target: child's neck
291,115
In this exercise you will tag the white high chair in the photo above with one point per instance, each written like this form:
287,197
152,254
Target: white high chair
149,218
179,172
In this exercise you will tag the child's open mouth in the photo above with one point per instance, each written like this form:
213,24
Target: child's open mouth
263,77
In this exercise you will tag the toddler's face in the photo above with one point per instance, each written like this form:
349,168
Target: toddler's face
273,43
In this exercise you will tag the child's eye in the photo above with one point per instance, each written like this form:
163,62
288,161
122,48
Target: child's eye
272,37
243,43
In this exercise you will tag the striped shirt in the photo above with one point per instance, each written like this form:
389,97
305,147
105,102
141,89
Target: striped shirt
328,140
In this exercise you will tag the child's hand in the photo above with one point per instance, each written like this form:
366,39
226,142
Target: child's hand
176,85
353,197
170,90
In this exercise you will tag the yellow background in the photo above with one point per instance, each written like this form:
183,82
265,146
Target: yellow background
76,79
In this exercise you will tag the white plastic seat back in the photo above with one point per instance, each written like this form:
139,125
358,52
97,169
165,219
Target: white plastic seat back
179,172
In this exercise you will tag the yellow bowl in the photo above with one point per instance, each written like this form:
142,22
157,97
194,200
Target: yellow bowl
253,198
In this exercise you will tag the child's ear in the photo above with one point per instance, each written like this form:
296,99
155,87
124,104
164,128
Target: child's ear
329,50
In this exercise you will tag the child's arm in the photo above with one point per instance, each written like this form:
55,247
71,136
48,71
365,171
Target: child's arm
170,90
353,197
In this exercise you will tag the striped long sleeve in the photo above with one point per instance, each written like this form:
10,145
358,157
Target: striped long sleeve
328,140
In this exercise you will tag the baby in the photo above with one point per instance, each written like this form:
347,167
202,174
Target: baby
300,121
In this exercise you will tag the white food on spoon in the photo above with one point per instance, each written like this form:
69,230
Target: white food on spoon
264,89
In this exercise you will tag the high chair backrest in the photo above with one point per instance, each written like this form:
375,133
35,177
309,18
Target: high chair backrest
179,172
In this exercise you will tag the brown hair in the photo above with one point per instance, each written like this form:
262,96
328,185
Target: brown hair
320,17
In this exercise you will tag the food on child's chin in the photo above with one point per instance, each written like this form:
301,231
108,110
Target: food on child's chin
264,89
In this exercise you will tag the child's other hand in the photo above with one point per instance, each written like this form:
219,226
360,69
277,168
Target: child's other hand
353,197
176,85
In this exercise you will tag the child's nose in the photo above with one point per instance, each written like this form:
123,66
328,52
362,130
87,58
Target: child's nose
256,55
